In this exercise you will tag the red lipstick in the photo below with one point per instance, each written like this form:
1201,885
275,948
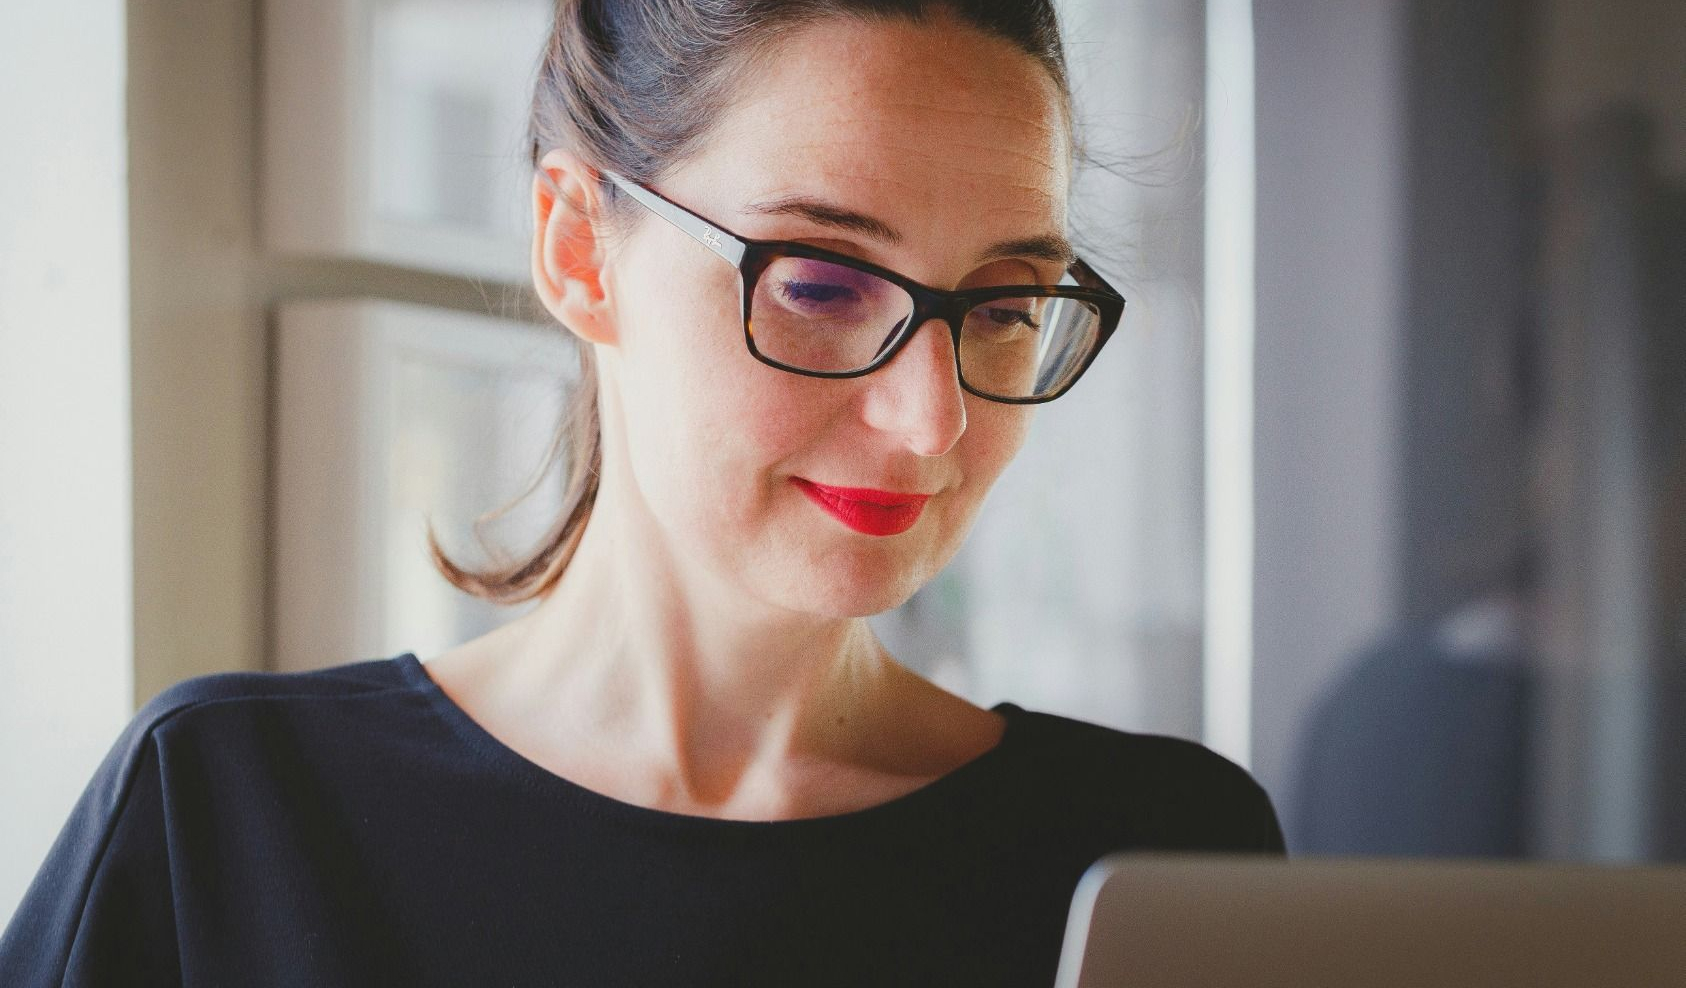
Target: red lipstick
866,510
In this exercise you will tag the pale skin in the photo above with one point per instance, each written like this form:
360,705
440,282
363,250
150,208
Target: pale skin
706,652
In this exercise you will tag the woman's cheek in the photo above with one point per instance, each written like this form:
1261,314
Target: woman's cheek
1000,431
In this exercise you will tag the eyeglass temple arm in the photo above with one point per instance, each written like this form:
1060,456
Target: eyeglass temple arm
710,236
1088,278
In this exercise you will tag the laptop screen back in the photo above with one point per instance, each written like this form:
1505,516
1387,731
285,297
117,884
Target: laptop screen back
1171,921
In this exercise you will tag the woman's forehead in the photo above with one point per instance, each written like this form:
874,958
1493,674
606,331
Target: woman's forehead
898,118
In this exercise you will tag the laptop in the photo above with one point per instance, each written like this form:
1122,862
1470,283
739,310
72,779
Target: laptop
1170,921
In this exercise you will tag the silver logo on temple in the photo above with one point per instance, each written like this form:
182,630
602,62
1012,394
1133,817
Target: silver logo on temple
712,239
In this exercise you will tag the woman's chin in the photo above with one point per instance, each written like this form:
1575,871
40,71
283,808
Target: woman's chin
848,591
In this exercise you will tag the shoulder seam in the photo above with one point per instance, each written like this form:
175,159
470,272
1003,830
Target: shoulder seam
131,772
284,690
147,739
170,713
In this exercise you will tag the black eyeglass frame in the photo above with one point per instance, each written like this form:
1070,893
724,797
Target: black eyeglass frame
751,257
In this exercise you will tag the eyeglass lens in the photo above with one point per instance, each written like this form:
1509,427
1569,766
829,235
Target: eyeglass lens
819,316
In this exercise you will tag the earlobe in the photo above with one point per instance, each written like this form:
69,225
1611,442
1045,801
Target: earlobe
567,254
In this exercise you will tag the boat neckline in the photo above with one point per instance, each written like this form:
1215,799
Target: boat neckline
541,779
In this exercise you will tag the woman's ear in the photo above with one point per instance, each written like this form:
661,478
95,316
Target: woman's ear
568,251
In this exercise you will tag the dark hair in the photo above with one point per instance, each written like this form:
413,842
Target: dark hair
634,87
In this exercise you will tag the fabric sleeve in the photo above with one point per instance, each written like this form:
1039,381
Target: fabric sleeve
1238,815
1185,797
100,909
1265,829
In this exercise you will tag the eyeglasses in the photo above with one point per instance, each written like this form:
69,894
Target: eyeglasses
819,313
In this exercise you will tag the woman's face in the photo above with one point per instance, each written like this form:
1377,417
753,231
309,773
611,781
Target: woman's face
954,140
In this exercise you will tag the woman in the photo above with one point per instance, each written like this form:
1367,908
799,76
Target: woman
692,763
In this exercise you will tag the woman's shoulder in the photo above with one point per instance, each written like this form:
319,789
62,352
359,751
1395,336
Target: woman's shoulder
1171,791
1146,754
247,687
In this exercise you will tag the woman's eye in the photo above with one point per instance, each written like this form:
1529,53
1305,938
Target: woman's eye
815,292
1009,317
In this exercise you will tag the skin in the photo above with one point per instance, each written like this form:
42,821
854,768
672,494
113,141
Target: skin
707,652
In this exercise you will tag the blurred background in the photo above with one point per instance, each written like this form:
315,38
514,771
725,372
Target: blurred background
1380,490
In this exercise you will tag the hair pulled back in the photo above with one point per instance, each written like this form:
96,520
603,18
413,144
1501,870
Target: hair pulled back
634,86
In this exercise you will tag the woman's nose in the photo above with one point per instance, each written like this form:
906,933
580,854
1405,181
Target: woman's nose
917,395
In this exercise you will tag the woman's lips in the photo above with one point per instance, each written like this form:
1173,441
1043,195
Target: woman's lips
872,512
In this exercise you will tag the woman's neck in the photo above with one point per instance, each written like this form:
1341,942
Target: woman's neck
633,649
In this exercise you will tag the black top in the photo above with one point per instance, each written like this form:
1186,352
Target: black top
354,826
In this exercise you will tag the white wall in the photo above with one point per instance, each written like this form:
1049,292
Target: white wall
65,562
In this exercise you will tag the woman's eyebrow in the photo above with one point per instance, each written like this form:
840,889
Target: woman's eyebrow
826,213
1046,246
